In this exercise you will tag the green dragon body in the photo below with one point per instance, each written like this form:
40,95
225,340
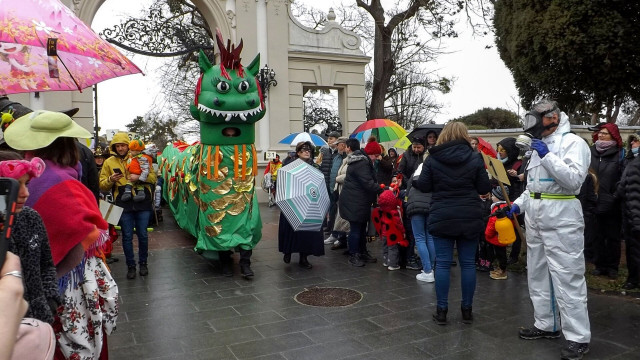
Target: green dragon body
210,186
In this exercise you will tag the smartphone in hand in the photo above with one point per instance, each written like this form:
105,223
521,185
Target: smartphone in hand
117,171
8,195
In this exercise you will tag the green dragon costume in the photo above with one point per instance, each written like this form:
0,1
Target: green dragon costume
210,186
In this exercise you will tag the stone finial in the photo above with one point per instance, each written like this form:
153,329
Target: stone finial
331,16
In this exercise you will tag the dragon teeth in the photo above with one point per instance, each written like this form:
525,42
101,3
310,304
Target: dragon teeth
228,115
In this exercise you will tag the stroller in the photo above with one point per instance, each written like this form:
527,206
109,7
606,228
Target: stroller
269,186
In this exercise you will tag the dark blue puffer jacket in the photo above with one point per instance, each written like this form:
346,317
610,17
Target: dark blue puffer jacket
455,175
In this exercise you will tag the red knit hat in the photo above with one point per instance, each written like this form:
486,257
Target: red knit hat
373,148
387,200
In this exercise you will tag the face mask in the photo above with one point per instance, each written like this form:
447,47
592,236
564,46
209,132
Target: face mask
533,123
635,151
503,160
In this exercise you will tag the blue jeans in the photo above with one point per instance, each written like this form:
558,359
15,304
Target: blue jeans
466,258
356,236
139,220
424,241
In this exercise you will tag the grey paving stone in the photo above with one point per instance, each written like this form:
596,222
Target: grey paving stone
185,309
355,313
220,338
342,331
245,320
333,350
148,350
400,335
398,352
292,325
270,346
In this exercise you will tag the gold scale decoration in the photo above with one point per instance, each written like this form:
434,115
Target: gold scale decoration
210,172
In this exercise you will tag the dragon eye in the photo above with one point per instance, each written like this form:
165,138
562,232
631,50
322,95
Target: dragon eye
223,86
243,86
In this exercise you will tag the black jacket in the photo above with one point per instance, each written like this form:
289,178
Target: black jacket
418,202
384,171
89,170
360,188
629,192
327,160
608,169
512,163
588,197
408,164
30,243
455,174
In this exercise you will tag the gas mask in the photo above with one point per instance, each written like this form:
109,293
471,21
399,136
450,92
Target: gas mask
533,124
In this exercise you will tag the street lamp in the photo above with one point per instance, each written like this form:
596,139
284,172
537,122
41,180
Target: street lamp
267,78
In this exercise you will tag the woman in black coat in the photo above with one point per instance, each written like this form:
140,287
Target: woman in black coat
358,194
455,175
303,242
606,162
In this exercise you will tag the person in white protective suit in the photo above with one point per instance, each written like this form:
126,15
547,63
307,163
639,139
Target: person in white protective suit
555,243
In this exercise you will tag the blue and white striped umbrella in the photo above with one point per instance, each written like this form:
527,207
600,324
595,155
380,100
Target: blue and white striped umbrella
302,196
294,138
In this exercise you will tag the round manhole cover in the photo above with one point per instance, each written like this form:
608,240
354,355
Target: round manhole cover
328,297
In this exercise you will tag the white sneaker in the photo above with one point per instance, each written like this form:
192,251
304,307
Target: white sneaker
330,240
426,277
393,268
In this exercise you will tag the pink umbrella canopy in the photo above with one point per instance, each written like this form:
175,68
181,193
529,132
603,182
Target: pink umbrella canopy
45,47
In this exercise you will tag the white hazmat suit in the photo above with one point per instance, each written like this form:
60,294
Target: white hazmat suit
555,241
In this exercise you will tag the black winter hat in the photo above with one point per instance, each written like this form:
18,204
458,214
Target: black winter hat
509,144
497,192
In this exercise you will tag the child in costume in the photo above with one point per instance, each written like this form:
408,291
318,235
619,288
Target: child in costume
138,165
485,253
491,235
387,219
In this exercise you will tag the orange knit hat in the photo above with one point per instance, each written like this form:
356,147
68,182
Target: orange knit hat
136,145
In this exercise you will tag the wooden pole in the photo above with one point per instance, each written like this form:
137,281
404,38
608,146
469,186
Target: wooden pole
515,218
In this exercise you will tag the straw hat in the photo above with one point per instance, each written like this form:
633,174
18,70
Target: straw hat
40,128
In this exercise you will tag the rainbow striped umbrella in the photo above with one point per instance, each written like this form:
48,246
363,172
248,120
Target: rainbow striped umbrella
383,129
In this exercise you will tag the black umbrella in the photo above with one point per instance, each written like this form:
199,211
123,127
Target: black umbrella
421,131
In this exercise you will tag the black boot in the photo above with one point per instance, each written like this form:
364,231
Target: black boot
245,263
226,261
304,263
467,315
144,270
131,273
440,316
127,194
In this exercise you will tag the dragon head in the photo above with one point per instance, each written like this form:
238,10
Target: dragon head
228,98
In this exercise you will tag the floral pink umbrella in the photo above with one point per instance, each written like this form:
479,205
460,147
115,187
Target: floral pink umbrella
45,47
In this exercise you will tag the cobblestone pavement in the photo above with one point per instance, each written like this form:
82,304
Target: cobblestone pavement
185,309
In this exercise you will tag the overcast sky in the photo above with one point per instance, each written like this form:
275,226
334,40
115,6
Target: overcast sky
481,79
